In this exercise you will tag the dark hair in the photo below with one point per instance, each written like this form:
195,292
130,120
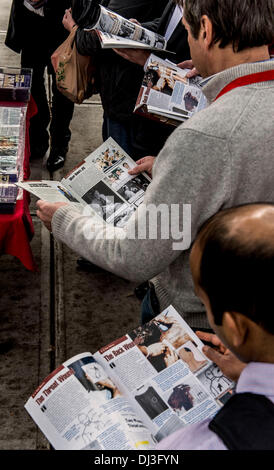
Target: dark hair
242,23
236,271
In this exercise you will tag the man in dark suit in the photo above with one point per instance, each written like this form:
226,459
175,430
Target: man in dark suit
35,30
151,135
120,80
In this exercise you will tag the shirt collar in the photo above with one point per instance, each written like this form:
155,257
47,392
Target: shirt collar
257,377
215,83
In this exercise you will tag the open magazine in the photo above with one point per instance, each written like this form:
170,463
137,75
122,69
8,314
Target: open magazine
114,31
167,95
131,393
101,181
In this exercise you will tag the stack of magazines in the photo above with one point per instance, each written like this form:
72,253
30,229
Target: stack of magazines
12,146
15,84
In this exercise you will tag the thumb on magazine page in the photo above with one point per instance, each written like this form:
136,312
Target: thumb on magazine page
144,164
188,64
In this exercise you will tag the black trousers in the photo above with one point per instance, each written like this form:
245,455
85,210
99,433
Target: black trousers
58,115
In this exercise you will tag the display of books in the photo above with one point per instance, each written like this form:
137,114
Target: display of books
114,31
167,95
15,84
12,148
131,393
100,182
8,196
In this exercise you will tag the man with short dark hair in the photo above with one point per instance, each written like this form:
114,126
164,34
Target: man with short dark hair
232,263
221,157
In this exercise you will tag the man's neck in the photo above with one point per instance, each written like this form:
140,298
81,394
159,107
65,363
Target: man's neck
226,58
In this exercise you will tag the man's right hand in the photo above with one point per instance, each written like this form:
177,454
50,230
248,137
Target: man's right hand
188,64
144,164
68,21
229,364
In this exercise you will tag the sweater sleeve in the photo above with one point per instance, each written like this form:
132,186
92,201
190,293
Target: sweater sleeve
191,169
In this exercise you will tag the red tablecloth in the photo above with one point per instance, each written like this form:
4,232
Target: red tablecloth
16,230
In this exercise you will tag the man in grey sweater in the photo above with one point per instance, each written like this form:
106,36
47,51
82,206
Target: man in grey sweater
221,157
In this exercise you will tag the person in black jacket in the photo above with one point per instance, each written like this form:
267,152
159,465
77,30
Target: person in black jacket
120,80
35,30
152,135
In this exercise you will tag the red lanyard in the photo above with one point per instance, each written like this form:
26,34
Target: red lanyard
247,80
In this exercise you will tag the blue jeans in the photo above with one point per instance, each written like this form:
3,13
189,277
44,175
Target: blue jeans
148,309
119,132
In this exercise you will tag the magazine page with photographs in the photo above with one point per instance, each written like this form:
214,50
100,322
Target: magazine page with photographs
162,370
101,182
115,31
127,191
88,182
78,407
50,191
166,92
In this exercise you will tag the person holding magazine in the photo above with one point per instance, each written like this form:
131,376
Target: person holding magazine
120,80
232,261
219,158
125,397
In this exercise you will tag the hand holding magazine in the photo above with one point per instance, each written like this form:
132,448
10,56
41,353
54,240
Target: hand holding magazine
101,182
131,393
114,31
167,95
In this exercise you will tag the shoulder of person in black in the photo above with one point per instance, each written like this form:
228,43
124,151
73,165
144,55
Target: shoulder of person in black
27,29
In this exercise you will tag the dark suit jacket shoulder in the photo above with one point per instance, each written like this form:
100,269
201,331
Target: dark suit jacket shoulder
26,29
178,41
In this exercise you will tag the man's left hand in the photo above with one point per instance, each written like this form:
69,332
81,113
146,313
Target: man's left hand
46,210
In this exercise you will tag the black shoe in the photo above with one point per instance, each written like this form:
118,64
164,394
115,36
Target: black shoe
141,290
88,266
56,159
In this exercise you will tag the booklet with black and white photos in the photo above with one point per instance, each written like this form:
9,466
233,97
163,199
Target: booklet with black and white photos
167,94
133,392
101,181
114,31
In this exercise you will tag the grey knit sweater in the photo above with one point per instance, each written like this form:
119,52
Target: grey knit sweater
221,157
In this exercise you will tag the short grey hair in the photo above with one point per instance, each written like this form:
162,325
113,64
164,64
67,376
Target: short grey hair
242,23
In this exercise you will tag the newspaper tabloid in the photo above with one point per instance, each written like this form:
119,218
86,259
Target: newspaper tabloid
115,31
101,181
166,93
133,392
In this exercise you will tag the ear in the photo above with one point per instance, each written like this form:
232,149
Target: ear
235,327
206,31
